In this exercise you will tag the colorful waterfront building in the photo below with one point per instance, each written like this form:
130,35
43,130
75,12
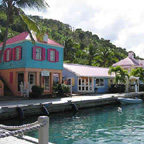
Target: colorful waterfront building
31,64
87,79
130,62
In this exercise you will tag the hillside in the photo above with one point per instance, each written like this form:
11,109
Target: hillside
81,47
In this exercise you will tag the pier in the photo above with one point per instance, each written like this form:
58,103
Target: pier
8,109
15,134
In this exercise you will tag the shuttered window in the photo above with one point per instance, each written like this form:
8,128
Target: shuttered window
53,55
38,53
17,52
7,55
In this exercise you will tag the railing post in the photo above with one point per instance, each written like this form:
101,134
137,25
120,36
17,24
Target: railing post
43,133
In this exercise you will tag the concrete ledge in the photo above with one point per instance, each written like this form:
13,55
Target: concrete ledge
8,112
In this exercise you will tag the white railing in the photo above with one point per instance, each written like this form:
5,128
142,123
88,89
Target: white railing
42,125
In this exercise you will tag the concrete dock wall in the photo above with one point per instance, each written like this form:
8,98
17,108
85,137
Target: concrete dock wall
8,112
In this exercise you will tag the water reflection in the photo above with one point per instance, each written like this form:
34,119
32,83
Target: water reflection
110,124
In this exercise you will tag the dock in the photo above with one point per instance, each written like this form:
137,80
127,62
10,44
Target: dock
17,140
8,109
15,134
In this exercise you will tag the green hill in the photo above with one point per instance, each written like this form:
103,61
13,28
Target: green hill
81,47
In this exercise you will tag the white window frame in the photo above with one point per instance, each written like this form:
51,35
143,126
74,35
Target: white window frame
38,53
52,56
83,84
17,53
98,86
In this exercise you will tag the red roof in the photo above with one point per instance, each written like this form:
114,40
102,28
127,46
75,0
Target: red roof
23,36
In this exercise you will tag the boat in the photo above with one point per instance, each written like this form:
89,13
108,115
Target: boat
129,100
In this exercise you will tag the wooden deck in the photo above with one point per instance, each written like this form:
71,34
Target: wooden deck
15,140
18,140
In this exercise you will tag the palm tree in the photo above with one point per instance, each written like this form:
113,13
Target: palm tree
13,7
70,49
138,72
121,75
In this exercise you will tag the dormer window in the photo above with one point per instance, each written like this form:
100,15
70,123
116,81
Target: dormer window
38,53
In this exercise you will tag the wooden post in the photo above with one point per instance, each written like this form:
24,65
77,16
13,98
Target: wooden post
38,78
43,133
26,79
60,78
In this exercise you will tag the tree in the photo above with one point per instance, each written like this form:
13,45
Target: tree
138,72
12,8
121,75
70,49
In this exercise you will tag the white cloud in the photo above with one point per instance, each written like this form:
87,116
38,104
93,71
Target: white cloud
121,21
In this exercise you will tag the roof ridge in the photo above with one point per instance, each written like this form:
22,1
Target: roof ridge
23,36
85,65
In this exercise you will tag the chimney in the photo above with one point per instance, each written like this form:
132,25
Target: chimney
45,38
131,54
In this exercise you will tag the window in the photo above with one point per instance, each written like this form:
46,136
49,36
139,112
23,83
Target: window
99,82
17,53
7,55
38,53
52,55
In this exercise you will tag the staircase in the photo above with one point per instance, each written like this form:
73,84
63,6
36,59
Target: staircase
7,90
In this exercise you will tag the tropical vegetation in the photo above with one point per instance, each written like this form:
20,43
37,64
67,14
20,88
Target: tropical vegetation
61,90
121,75
138,72
80,46
11,9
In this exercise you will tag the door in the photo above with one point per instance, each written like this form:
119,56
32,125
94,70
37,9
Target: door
20,80
85,84
31,79
46,83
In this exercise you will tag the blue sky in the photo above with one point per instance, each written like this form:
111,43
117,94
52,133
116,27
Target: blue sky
121,21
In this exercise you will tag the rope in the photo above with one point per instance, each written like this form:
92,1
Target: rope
23,130
17,127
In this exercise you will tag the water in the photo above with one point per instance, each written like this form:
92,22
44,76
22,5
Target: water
103,125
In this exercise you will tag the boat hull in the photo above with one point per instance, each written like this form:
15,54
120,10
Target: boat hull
129,101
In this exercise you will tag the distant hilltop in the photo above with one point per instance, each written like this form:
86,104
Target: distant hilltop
81,47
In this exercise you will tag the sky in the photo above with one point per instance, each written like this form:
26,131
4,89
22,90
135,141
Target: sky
120,21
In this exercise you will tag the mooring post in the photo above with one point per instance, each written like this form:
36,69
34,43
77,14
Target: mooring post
43,133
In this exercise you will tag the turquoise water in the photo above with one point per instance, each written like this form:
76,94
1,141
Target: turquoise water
103,125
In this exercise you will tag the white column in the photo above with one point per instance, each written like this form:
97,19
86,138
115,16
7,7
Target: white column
43,133
138,84
88,85
127,84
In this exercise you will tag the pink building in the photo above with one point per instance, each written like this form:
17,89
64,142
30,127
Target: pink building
130,62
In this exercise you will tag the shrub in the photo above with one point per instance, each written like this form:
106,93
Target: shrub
61,90
36,91
141,87
117,88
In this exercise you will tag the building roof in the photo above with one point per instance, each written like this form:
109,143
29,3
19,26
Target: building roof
129,62
25,36
87,71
